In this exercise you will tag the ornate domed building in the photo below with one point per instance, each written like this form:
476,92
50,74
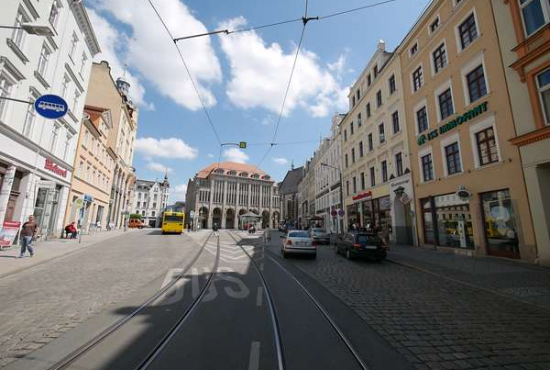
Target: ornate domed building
222,192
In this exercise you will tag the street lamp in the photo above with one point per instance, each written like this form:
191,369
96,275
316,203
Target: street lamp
32,29
341,190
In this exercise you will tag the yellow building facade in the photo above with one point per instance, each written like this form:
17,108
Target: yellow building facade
469,188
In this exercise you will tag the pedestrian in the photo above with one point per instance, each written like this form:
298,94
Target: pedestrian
70,230
28,233
385,235
215,228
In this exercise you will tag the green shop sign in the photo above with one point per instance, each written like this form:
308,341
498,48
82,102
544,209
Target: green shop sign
451,125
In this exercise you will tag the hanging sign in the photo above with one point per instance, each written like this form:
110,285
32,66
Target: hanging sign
51,106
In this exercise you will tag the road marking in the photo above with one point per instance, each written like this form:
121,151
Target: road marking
259,297
254,362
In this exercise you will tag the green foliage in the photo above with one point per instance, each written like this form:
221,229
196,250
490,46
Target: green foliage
135,216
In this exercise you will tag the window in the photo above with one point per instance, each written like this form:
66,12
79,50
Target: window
43,60
76,100
54,13
399,164
439,58
468,31
370,144
358,95
86,137
29,121
422,120
369,79
535,14
363,185
446,108
79,171
18,35
346,160
384,167
354,185
345,135
543,85
67,146
414,49
434,25
372,177
361,153
359,123
138,204
65,86
486,146
368,110
477,87
351,128
379,98
452,155
381,133
153,214
6,86
392,85
353,101
427,167
395,122
53,141
74,45
418,79
83,63
347,188
352,155
375,70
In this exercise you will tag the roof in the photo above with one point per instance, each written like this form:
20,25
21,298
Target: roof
290,183
231,166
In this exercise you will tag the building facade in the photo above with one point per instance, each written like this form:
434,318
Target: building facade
288,190
221,192
328,190
469,186
107,94
150,200
306,193
524,38
376,164
93,174
36,154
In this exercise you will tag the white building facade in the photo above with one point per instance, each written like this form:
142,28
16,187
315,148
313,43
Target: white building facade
328,200
150,200
37,155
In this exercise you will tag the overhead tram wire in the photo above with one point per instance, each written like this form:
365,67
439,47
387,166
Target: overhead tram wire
188,72
294,20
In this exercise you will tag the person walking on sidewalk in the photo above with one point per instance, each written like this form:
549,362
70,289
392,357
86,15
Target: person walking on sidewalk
28,233
215,228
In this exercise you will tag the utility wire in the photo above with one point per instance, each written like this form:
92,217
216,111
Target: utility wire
321,17
188,73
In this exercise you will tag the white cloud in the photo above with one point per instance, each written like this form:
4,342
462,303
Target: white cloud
111,42
260,72
158,167
150,51
177,193
210,155
166,148
235,155
280,161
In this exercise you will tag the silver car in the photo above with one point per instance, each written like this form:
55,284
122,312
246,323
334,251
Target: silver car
298,242
320,236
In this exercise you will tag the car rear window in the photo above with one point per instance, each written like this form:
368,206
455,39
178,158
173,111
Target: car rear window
368,239
319,231
298,234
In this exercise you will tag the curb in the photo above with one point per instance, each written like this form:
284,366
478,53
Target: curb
14,272
473,286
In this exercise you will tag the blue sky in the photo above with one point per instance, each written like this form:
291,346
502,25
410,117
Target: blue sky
242,77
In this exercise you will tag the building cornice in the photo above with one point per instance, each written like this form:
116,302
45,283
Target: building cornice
532,137
83,21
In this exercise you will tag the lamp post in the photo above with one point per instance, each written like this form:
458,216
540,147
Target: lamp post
341,190
32,29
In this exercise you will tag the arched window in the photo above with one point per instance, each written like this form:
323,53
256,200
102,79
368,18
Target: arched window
243,174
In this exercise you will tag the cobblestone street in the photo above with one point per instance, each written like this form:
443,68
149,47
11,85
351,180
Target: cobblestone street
434,322
40,304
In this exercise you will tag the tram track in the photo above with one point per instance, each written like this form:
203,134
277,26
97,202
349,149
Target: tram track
74,356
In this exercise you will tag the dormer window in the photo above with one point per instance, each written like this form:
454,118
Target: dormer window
434,25
414,49
232,173
255,176
219,171
266,177
243,174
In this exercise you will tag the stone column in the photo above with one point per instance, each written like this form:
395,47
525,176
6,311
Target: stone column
248,204
6,191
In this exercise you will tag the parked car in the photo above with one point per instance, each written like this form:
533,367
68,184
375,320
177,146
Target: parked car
319,235
298,242
361,244
135,223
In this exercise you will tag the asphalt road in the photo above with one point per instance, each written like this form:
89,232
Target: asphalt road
240,307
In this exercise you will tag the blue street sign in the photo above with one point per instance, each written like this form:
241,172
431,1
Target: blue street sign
51,106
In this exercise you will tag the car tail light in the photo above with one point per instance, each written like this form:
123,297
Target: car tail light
357,246
313,242
289,242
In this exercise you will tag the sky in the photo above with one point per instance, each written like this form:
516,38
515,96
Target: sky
241,77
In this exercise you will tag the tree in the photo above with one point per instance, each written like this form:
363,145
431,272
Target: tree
135,216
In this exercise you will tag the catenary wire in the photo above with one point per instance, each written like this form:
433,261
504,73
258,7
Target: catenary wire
188,73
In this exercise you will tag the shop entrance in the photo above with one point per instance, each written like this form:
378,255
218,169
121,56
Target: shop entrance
45,210
500,224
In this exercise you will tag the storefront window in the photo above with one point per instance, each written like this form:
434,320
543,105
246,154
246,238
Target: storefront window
500,224
429,234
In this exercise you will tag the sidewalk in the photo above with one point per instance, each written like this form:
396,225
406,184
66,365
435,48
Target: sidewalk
48,250
516,280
